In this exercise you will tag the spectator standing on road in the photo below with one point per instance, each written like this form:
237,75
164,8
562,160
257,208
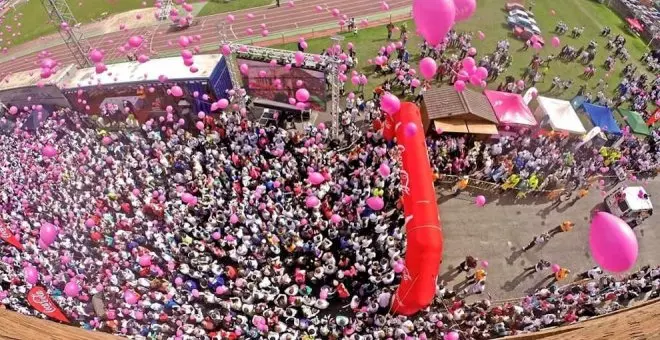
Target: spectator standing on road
538,240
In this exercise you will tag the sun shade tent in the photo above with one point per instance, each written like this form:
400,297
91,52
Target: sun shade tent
461,112
510,108
602,117
559,114
636,122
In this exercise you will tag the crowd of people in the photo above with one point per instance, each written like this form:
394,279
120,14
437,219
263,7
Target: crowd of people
247,257
166,232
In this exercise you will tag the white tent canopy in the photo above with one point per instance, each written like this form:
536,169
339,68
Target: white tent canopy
559,114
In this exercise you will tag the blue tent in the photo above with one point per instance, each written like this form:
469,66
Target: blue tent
602,117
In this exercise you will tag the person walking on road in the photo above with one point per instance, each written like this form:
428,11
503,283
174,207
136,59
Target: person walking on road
538,240
564,227
539,266
469,264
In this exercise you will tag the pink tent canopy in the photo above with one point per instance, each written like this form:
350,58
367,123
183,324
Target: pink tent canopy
510,108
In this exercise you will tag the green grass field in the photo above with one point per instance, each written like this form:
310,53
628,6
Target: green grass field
223,6
490,18
34,20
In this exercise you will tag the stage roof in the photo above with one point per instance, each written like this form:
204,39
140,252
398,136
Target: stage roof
135,72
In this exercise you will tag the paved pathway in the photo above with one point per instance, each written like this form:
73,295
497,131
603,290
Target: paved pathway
499,230
159,39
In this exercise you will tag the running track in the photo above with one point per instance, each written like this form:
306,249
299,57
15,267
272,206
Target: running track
157,39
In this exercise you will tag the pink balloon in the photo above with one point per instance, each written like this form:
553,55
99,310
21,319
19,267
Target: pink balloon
47,233
72,289
459,85
90,222
555,268
100,68
315,178
302,95
481,35
312,201
465,9
223,103
384,170
225,49
130,297
49,151
451,336
468,63
183,41
199,126
335,218
135,41
608,232
480,201
390,103
375,203
555,42
31,275
410,130
143,58
144,260
481,72
244,69
230,19
434,18
428,67
96,56
176,91
472,51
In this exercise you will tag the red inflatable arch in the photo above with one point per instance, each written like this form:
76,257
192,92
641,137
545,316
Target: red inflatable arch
423,228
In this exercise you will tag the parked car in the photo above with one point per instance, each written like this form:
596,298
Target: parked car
522,22
509,6
521,13
526,18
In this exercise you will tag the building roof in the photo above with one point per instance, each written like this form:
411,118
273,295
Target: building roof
134,72
33,77
446,102
18,326
639,322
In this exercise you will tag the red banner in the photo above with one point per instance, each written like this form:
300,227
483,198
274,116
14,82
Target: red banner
39,300
8,237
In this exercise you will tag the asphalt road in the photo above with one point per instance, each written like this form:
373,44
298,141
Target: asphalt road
499,230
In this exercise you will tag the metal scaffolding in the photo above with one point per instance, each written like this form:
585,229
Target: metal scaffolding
329,63
59,13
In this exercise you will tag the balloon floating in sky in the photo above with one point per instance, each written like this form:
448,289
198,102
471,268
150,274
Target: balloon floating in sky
434,18
390,103
612,242
464,9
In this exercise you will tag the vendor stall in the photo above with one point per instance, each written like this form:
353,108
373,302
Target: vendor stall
635,121
448,110
510,109
602,117
559,115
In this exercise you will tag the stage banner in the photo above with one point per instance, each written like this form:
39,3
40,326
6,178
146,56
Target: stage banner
39,300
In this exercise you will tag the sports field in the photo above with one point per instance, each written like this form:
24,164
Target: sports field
490,18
